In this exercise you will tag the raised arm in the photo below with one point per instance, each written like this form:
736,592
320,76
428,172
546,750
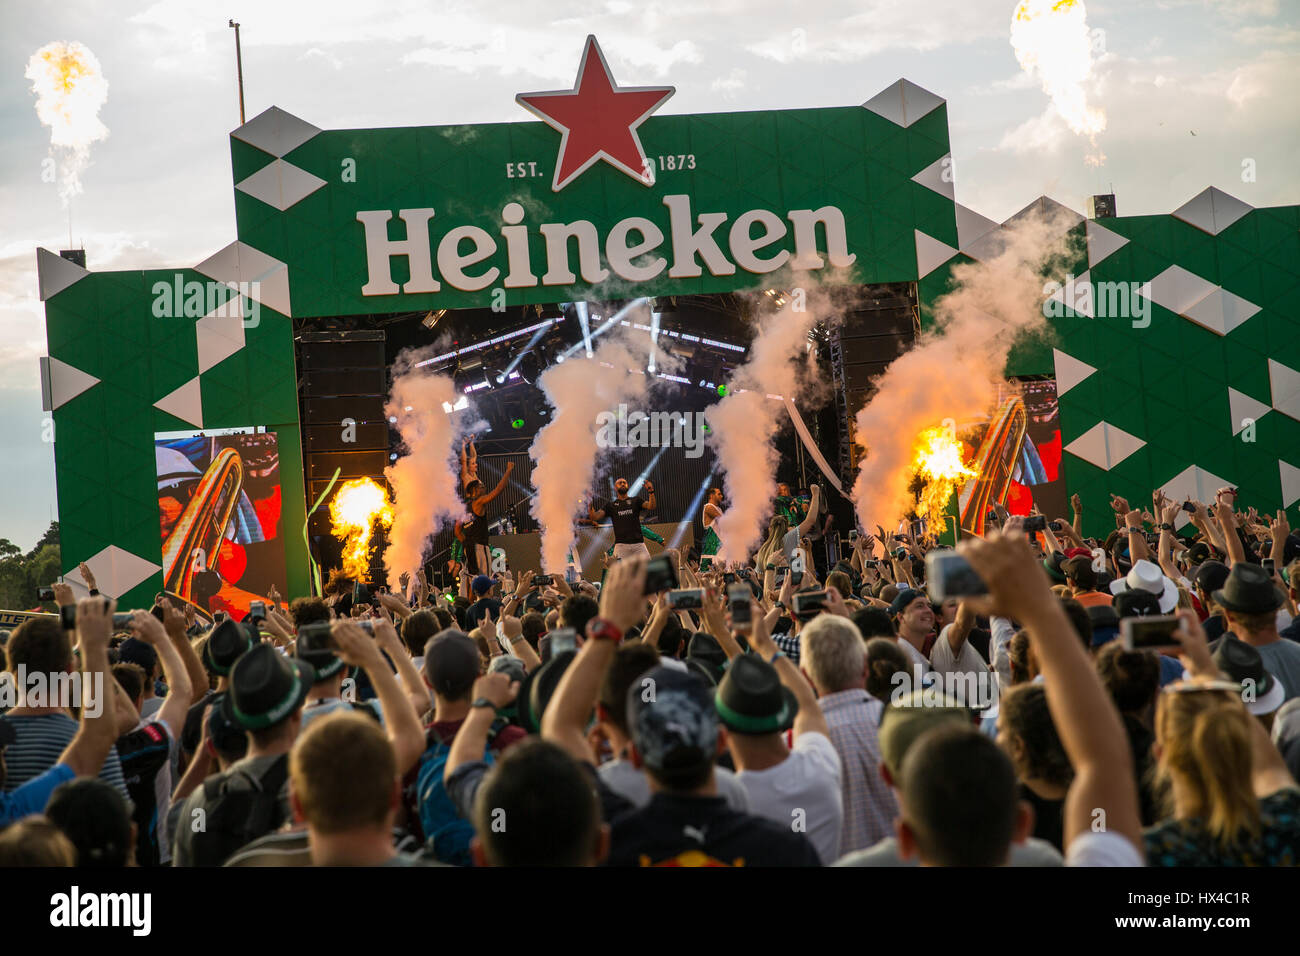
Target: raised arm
1086,719
811,518
355,647
1224,502
565,721
177,702
89,749
651,504
486,499
809,718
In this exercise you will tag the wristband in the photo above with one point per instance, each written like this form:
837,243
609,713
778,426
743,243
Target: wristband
776,657
601,629
483,702
1166,527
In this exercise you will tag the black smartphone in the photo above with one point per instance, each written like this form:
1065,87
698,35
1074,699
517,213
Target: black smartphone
257,610
1035,523
948,574
315,638
1149,633
1268,565
660,575
808,604
729,578
361,594
542,581
45,594
738,598
1189,507
1056,524
68,618
686,599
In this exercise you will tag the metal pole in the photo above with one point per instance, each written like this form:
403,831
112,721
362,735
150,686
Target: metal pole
239,66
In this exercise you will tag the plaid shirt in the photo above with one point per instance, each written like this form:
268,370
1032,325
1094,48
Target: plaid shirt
869,804
788,642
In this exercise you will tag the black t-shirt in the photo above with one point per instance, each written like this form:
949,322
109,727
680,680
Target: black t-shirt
475,530
144,752
675,830
1048,824
1214,626
192,732
625,515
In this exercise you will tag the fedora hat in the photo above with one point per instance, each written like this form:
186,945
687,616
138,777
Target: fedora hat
266,687
1147,576
752,700
1249,589
1243,664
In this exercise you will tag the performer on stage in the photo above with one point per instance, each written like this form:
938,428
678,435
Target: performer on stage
712,512
474,531
624,514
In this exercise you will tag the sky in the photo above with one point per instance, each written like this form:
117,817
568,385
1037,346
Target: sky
1191,90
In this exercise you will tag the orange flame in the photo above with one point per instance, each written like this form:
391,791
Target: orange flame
357,505
937,461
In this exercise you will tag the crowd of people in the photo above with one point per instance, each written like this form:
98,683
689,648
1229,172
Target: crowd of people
788,710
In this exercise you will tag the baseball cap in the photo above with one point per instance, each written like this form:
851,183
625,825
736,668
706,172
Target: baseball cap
537,689
674,728
1211,576
904,598
451,663
481,584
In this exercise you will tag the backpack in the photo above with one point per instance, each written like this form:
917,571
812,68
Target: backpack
240,808
447,833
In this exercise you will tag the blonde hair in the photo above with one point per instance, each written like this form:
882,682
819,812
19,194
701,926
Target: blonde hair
777,529
1205,746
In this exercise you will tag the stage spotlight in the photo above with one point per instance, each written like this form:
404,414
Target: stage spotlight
431,319
722,391
516,423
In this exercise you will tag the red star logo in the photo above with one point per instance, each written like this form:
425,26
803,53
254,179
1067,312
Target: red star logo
597,119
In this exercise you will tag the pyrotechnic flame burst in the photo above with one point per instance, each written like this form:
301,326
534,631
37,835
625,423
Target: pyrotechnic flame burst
1052,42
937,461
70,89
357,505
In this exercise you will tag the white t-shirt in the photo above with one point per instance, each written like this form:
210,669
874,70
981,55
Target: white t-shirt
1104,848
802,792
944,661
913,655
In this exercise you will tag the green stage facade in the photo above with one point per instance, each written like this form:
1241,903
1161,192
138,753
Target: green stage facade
340,222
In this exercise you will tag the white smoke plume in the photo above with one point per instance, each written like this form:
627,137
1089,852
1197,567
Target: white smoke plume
70,89
564,451
954,369
425,480
744,424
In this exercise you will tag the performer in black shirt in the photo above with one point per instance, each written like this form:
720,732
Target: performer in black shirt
624,514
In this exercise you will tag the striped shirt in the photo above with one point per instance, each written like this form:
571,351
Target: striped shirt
870,807
41,740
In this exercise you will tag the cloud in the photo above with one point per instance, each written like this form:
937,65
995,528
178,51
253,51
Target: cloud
731,83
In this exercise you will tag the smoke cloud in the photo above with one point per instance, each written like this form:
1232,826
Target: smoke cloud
745,422
955,369
425,480
564,451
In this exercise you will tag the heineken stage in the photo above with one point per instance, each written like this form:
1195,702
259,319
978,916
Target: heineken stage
200,412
